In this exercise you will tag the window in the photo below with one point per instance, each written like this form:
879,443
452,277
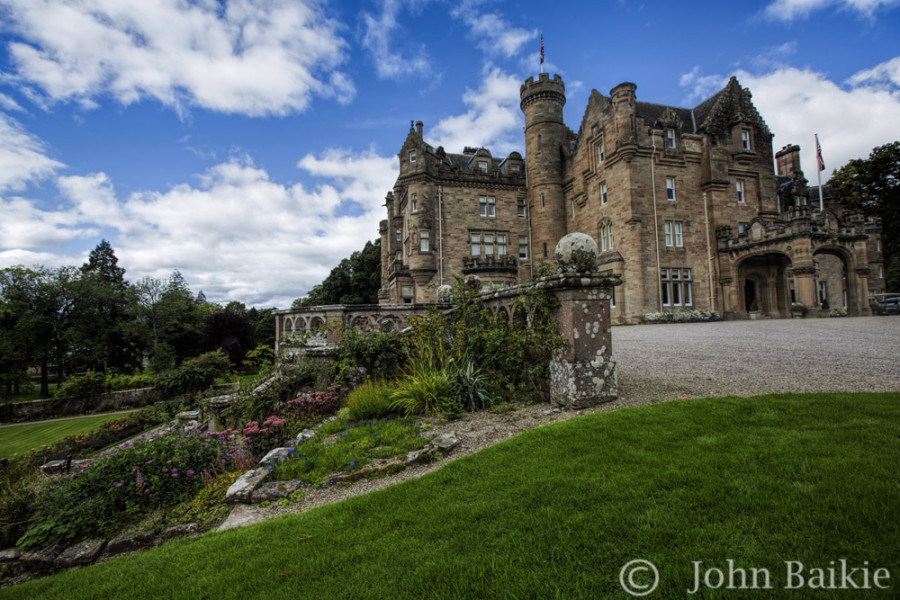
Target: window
399,235
739,188
878,245
880,272
501,245
676,287
414,202
745,139
606,237
523,247
542,201
482,166
670,137
603,195
521,207
601,154
424,241
412,156
488,206
793,291
489,244
514,168
743,227
823,292
476,244
545,249
539,143
670,189
406,292
672,230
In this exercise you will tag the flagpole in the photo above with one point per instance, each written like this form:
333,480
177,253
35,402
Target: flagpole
819,165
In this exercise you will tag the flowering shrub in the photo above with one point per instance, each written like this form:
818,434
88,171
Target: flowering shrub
151,472
682,316
316,404
259,438
799,308
838,311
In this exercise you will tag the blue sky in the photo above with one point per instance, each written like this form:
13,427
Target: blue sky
249,144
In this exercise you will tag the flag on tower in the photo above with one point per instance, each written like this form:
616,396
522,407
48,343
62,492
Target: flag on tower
819,158
542,48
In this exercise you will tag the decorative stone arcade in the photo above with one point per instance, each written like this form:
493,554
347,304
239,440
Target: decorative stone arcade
581,375
805,256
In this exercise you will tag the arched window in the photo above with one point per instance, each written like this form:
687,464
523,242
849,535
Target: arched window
606,236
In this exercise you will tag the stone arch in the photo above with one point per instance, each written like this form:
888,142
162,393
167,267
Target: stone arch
520,317
389,323
762,279
836,277
317,323
501,316
360,323
288,326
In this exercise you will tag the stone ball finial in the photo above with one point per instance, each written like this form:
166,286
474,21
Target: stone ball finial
474,282
444,293
577,253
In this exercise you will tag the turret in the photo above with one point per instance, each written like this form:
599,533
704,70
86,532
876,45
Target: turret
542,102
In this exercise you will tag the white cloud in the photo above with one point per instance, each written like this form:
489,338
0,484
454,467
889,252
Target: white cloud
7,103
236,234
787,10
383,38
885,75
22,156
493,33
254,58
797,103
700,86
493,118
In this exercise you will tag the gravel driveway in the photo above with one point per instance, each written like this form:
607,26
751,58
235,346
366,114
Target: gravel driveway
743,358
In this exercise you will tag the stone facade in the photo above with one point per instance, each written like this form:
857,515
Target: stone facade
685,203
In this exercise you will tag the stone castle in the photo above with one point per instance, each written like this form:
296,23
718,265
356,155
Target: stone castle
684,203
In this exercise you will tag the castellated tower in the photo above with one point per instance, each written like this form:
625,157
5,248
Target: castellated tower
545,136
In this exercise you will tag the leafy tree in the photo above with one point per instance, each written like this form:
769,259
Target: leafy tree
356,280
229,330
873,186
180,326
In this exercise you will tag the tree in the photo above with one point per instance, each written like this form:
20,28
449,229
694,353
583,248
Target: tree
229,330
873,187
356,280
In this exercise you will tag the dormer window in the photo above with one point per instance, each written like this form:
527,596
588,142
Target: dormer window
412,155
483,166
414,202
745,139
514,168
670,137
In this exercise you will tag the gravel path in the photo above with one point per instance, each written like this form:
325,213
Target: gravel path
656,363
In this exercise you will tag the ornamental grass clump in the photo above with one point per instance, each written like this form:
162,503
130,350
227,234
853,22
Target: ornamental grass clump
112,491
370,400
425,390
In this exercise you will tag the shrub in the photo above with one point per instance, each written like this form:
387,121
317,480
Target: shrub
89,385
315,405
129,382
109,492
682,316
470,384
371,400
195,375
838,311
255,401
379,354
425,391
259,438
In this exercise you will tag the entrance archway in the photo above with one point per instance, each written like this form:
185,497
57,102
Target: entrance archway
765,286
833,289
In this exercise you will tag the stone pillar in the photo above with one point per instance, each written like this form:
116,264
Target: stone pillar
862,293
582,374
805,288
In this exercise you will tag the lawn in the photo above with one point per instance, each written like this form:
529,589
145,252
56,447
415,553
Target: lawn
25,437
557,511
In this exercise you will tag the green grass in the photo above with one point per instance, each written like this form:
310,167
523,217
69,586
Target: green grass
23,438
351,448
33,393
557,511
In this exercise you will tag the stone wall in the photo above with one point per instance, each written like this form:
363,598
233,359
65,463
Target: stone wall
36,410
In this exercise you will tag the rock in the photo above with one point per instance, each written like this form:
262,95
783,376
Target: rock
274,455
241,515
179,530
577,252
81,553
446,442
130,541
306,434
413,457
39,560
275,490
242,489
59,466
188,415
10,565
552,411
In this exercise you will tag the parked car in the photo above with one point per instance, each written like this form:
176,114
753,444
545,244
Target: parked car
888,306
